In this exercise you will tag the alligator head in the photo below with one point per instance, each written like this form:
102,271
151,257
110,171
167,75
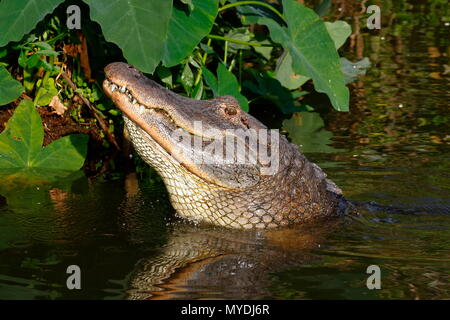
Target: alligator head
220,165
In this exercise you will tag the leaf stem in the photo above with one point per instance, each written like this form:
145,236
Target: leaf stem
253,44
240,66
44,81
232,64
59,36
199,74
225,53
259,3
206,53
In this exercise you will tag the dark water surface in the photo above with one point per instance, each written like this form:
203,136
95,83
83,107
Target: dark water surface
392,149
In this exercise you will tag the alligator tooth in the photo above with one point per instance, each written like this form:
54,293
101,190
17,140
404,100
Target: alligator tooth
122,89
113,87
134,101
141,109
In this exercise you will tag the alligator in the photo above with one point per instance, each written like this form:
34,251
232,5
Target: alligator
230,185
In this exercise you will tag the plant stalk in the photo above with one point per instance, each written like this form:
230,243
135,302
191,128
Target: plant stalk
258,3
253,44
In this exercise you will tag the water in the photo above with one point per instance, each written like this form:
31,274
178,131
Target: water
392,149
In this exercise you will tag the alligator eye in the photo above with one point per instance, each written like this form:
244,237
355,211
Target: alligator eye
231,111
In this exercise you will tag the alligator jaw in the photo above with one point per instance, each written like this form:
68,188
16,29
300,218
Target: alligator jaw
158,113
151,119
153,123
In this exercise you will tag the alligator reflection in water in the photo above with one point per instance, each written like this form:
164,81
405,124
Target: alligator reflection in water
214,262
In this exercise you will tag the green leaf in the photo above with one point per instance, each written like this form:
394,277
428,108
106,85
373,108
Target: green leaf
22,138
272,90
46,93
28,80
210,79
312,49
194,63
18,17
225,84
187,78
241,34
287,77
339,31
22,59
66,153
138,27
48,53
43,45
197,92
206,49
186,29
33,61
21,144
266,52
228,85
3,52
10,89
165,75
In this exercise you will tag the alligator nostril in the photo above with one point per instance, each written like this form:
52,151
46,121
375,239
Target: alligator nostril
231,111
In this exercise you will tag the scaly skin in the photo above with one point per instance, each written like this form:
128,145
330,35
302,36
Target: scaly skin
232,195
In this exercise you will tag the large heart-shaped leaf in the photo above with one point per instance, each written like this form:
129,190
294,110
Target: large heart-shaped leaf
313,51
21,144
18,17
287,77
339,31
10,89
138,27
187,28
225,84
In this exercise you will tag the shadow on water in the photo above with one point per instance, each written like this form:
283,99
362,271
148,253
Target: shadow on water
392,149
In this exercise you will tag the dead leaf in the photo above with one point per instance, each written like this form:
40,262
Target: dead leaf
58,106
71,49
80,49
84,57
